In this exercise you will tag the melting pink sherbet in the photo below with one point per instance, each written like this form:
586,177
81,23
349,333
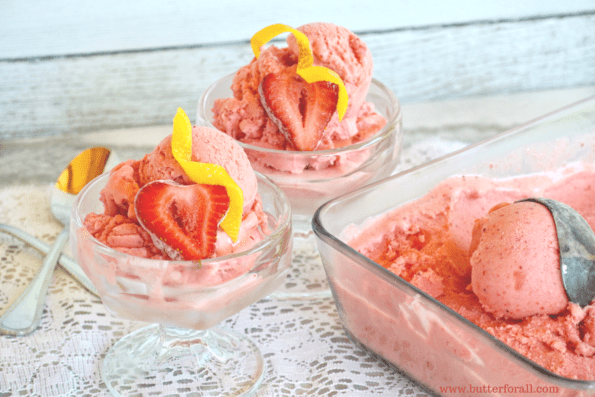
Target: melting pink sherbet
427,243
515,262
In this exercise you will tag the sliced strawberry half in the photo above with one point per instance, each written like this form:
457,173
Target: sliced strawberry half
182,219
299,109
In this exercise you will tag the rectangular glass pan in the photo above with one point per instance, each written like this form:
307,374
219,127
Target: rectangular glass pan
431,343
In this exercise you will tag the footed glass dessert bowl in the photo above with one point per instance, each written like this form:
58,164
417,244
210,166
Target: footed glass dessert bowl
311,178
184,352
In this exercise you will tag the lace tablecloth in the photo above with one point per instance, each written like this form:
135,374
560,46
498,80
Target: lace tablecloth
303,342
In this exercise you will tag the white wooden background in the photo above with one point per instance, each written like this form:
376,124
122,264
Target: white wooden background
74,66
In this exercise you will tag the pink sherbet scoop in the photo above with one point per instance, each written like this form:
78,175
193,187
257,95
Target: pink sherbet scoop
334,47
118,227
208,146
340,50
515,262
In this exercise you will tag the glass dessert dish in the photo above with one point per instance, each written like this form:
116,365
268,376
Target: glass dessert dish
323,175
184,352
398,322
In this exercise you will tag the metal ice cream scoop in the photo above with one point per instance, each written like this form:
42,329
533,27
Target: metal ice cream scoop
577,251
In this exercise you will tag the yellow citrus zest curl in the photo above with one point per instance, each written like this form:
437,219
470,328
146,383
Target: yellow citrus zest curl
208,174
305,64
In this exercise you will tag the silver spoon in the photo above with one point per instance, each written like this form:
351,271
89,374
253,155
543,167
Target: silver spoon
66,262
24,315
577,251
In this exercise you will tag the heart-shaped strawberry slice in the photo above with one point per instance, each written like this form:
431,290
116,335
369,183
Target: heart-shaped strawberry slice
182,219
299,109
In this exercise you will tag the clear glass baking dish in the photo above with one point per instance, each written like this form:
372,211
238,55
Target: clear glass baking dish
423,338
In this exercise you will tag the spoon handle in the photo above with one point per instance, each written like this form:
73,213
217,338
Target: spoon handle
24,316
67,263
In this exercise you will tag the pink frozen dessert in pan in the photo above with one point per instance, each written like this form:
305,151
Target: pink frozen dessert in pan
506,276
311,117
515,262
477,269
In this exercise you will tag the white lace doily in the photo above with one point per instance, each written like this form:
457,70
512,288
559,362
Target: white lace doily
303,342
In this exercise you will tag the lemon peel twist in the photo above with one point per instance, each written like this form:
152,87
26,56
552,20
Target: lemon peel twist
208,174
305,67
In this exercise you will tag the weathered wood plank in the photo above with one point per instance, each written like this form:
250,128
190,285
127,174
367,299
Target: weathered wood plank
487,58
134,89
464,120
32,28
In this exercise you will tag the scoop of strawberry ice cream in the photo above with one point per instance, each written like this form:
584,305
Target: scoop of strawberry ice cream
244,117
208,146
119,228
515,262
340,50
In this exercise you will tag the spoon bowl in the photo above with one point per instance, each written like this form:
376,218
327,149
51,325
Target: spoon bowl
24,315
577,251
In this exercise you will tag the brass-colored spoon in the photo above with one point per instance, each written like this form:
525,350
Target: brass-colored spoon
24,315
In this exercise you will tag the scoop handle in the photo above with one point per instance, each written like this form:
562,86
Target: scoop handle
65,261
24,316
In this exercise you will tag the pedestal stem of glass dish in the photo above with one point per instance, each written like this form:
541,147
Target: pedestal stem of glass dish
164,361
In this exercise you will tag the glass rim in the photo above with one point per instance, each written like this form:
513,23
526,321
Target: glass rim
283,225
379,136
